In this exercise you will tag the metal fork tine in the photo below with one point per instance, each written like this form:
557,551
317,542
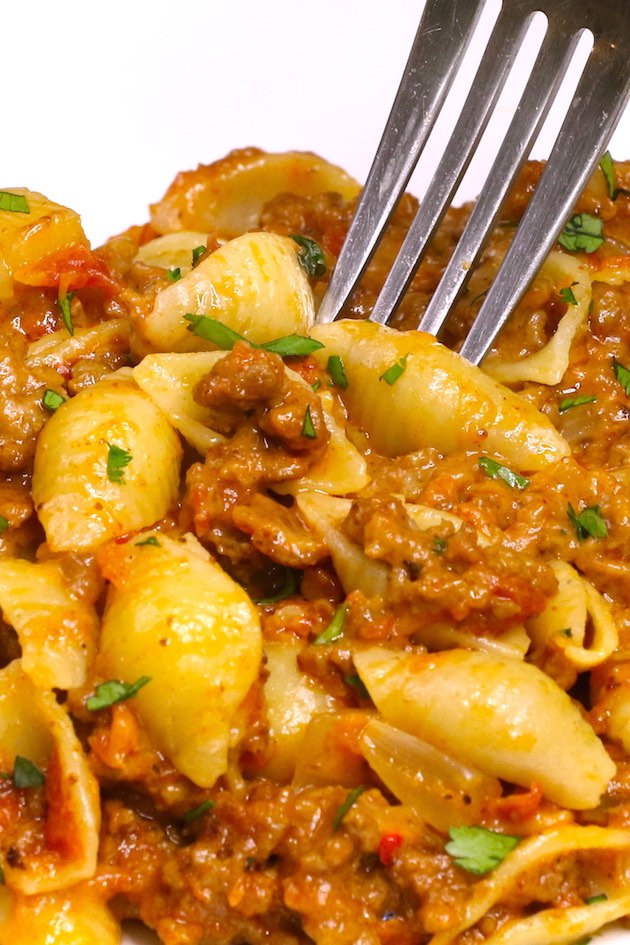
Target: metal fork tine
553,60
505,41
579,146
418,101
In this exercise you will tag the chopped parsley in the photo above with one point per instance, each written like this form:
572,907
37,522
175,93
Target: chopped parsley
337,372
66,315
568,403
601,897
308,429
113,691
174,275
197,252
567,295
287,588
566,632
622,374
478,850
4,524
439,545
311,257
51,400
588,523
334,630
582,233
26,774
607,167
211,329
351,799
196,812
15,203
117,459
151,540
497,471
391,375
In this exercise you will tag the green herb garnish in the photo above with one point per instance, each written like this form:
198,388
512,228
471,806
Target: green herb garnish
607,167
197,252
174,275
601,897
151,540
291,346
567,295
588,522
334,630
311,257
622,374
351,799
287,589
4,524
337,372
308,429
210,329
66,314
568,403
113,691
582,233
51,400
117,459
497,471
26,774
196,812
478,850
439,545
391,375
15,203
357,683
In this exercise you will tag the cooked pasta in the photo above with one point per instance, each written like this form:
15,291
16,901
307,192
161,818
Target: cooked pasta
309,634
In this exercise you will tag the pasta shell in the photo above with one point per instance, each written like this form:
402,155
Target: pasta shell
438,400
178,618
75,916
503,716
253,284
79,501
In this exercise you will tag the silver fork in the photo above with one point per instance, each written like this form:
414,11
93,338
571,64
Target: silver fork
443,35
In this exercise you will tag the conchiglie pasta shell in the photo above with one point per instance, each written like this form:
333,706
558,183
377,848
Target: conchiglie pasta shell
178,618
77,503
34,726
73,916
56,630
227,197
503,716
254,284
440,400
173,251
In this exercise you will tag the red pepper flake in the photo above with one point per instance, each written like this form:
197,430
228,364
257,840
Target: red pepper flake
387,847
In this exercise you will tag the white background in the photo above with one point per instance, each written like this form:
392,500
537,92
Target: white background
103,103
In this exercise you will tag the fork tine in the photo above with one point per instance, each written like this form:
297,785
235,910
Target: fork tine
571,163
418,100
553,60
505,41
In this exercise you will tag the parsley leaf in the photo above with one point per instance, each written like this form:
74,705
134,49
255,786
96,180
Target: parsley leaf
589,522
601,897
117,459
4,524
497,471
174,275
391,375
26,774
151,540
311,257
197,252
64,307
567,295
582,233
568,403
113,691
622,374
351,799
51,400
308,429
16,203
607,167
334,630
478,850
196,812
337,372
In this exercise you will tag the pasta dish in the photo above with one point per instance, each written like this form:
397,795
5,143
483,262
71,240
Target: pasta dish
310,633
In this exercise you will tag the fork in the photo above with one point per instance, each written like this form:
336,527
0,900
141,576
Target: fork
445,30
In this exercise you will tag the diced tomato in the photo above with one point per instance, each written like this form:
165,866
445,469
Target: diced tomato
387,847
67,269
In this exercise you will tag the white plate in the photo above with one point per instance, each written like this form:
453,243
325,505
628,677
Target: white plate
105,111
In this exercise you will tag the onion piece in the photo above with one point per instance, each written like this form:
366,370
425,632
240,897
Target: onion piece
443,791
